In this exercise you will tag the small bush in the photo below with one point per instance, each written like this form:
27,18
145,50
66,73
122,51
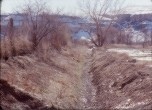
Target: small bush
60,38
21,44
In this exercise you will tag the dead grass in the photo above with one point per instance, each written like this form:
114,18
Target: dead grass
116,78
107,46
21,45
55,79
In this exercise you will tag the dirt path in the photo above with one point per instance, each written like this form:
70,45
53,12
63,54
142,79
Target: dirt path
88,91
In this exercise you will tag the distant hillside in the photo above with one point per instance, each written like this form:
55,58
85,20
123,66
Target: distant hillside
76,24
137,21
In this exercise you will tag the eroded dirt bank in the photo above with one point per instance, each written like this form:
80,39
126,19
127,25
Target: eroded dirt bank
76,78
120,82
54,81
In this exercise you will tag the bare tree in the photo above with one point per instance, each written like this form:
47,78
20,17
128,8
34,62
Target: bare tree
151,38
35,20
40,23
97,11
148,36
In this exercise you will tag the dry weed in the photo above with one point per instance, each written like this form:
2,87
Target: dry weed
21,44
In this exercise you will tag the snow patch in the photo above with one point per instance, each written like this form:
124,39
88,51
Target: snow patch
135,53
138,10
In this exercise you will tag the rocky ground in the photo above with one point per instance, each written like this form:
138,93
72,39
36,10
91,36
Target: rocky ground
78,78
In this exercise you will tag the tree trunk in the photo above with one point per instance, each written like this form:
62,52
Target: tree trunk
34,41
151,38
11,36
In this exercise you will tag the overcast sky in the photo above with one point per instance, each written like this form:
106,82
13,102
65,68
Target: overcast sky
68,6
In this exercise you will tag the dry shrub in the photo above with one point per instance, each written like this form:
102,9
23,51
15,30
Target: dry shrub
58,41
55,41
21,44
115,36
79,42
60,37
43,49
5,48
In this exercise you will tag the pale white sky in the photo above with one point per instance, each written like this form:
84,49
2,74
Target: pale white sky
68,6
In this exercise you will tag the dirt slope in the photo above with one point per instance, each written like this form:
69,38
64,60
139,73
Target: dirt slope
120,82
77,78
55,81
